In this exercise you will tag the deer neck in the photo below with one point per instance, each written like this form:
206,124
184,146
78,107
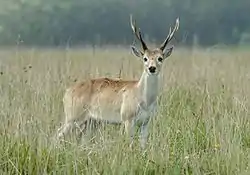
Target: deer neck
148,88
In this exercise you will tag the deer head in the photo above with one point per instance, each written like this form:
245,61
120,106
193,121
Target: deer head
153,58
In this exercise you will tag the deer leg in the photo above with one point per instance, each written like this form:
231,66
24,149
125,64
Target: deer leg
144,134
88,127
130,130
64,129
72,118
84,128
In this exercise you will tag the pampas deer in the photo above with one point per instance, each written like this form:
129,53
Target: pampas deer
122,101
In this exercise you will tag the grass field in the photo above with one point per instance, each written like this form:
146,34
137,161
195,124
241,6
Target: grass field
202,126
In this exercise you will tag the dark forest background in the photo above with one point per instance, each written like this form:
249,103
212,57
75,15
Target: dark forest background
77,22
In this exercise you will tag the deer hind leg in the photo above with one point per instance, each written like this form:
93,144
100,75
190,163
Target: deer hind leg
68,125
72,116
63,130
87,127
80,129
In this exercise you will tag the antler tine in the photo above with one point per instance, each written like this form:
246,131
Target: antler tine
137,33
170,34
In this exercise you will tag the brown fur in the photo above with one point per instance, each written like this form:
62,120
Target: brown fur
100,85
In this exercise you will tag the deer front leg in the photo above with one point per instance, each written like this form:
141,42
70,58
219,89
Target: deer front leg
144,126
129,129
144,134
128,115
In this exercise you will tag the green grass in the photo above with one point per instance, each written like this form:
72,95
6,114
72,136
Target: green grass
202,125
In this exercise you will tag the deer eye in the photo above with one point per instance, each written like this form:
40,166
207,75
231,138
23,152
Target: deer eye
145,59
160,59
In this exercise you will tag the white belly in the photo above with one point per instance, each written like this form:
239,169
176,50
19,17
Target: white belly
113,115
110,115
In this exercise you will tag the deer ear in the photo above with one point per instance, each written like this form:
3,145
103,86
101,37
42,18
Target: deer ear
167,52
136,51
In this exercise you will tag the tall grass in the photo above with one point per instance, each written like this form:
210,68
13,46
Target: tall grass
202,125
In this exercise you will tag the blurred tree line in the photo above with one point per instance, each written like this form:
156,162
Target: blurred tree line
64,22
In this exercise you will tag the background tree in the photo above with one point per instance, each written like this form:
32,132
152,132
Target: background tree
62,22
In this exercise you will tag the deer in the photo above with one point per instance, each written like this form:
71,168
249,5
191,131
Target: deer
127,102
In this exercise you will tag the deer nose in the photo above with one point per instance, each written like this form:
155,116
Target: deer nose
152,69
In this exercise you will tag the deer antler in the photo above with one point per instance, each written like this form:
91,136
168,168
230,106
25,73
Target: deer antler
137,33
170,35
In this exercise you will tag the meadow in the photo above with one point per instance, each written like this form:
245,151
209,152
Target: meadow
201,127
